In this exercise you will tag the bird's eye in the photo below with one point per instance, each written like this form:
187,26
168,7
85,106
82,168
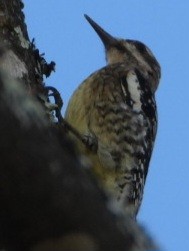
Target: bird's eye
120,47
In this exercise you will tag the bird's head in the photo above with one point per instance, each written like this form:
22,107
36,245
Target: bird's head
132,52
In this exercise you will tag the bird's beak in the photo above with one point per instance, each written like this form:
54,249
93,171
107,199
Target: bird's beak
106,38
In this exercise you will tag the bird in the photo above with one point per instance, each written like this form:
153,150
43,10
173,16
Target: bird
115,112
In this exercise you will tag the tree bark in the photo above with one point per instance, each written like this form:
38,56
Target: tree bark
48,199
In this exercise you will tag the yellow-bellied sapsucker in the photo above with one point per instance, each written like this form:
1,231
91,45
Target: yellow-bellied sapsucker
115,110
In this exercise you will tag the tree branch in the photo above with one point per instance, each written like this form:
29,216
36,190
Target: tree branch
48,199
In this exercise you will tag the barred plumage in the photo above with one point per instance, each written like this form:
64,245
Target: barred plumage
115,107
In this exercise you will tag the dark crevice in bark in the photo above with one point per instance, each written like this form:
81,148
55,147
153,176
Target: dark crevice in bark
48,200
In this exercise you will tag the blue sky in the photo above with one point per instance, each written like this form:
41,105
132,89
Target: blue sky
65,36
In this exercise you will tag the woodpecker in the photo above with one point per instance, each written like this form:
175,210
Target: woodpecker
114,110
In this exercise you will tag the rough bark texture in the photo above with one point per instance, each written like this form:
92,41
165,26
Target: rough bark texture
14,36
48,200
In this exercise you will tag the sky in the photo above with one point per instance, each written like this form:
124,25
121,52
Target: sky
62,33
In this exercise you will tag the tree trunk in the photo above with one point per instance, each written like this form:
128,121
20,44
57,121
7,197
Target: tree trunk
48,200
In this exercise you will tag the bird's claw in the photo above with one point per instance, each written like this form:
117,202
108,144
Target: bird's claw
90,141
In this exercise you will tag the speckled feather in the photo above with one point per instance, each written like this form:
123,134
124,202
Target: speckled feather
125,135
116,107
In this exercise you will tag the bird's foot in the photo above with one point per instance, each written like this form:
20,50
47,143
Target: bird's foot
91,142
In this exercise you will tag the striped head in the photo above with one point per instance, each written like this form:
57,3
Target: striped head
131,52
